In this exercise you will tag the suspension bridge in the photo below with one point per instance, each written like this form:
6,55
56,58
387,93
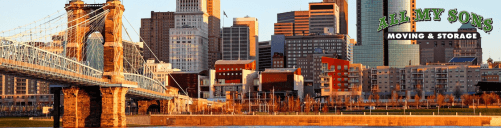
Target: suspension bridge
55,49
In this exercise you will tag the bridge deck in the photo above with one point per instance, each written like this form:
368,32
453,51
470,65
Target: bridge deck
52,74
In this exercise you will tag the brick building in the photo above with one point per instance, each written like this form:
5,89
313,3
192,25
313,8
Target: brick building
185,81
278,60
155,33
282,82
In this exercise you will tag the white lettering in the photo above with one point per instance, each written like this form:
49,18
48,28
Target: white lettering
450,35
421,36
414,35
398,35
391,36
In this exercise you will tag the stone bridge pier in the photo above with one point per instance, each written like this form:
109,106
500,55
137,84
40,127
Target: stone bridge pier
173,106
94,106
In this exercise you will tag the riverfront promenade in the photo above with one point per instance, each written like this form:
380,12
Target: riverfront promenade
323,120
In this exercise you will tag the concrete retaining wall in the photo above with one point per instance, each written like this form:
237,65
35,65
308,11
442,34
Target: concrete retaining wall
316,120
139,119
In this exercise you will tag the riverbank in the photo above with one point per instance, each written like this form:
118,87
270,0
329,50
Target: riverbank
323,120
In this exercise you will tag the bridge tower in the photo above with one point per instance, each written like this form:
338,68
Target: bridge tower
93,106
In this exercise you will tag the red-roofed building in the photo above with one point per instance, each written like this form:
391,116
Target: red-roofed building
234,76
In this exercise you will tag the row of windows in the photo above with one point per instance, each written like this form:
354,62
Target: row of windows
305,41
230,69
230,74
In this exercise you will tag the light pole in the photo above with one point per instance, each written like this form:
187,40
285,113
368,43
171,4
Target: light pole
249,102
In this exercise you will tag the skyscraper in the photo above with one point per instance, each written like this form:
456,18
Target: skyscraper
343,14
402,52
155,33
323,15
236,43
293,23
372,49
213,9
253,25
264,55
189,38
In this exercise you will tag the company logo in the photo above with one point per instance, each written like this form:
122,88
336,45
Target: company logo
425,15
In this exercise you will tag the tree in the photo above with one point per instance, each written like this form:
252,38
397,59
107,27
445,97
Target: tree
238,108
394,96
298,105
450,97
316,106
486,99
440,100
416,100
370,98
431,98
346,101
325,108
307,104
376,96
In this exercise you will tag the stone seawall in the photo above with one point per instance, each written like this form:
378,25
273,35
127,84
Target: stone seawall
319,120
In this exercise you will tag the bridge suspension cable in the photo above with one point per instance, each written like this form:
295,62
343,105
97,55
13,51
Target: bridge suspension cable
149,49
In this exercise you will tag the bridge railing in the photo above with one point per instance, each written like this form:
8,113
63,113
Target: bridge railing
145,82
31,57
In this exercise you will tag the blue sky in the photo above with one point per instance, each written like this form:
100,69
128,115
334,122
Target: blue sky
14,13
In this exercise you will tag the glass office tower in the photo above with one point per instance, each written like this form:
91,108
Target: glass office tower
402,52
370,48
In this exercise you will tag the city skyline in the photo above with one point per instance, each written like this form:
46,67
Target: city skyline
136,10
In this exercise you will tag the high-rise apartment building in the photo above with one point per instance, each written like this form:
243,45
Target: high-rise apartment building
189,38
213,9
253,25
323,15
155,33
236,43
373,50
